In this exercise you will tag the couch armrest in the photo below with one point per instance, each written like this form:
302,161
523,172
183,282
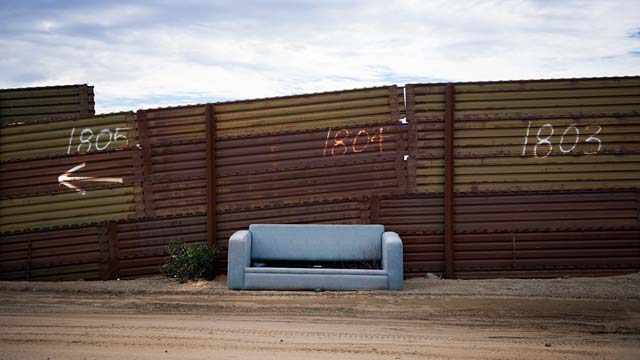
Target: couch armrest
392,259
239,257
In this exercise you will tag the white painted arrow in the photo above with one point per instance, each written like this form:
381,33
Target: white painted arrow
65,178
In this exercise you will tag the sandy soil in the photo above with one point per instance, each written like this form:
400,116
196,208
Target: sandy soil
578,318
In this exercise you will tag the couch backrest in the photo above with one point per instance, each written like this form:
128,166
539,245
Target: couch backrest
316,242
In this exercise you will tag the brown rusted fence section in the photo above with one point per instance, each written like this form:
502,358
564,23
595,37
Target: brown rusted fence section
528,178
543,176
20,105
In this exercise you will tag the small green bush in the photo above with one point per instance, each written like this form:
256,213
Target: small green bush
190,261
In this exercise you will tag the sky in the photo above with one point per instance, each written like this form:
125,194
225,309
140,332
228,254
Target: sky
142,54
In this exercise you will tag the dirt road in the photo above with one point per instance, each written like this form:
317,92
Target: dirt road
488,319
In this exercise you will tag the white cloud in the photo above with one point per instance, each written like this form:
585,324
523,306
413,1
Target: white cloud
140,56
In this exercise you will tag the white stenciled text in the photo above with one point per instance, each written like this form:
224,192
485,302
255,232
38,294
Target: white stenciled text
569,139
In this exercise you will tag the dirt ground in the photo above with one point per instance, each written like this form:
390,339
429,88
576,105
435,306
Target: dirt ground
576,318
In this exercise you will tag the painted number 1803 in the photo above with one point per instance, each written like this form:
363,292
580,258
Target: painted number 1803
567,143
344,141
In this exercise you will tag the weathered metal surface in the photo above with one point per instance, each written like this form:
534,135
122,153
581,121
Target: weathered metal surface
211,174
304,167
65,209
519,232
50,138
449,181
175,125
178,179
141,245
174,160
40,176
199,173
36,195
565,211
351,108
504,141
494,99
420,222
26,104
50,255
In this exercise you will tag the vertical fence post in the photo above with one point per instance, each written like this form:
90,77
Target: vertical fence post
449,180
143,140
394,105
211,173
412,137
138,165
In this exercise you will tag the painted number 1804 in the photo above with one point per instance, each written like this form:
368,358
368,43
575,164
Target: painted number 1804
343,141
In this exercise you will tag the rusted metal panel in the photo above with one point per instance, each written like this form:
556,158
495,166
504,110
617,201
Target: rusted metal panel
288,114
412,138
175,125
66,209
40,176
495,99
310,166
542,231
26,104
178,179
174,143
50,138
211,174
141,245
518,232
66,191
50,255
420,222
549,154
339,158
563,211
531,135
449,181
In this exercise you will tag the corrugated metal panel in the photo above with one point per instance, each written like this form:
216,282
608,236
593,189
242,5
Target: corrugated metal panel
50,138
597,230
51,255
142,245
33,196
419,222
338,158
359,107
175,124
179,179
175,160
553,250
604,96
311,166
40,176
562,211
530,135
26,104
67,208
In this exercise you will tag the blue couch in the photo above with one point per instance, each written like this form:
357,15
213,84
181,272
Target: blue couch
327,257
